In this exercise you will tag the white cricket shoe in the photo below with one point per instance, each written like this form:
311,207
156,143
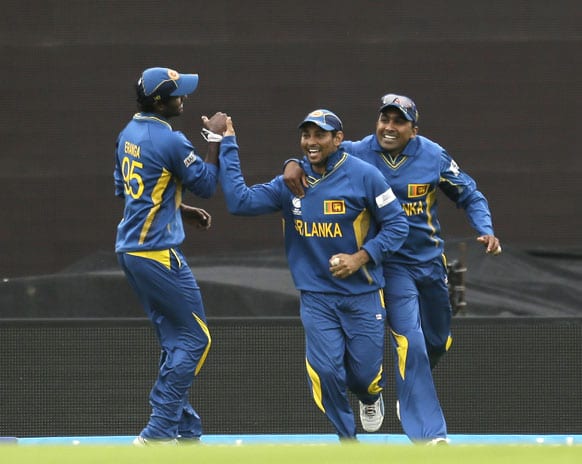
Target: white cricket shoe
372,415
141,441
438,441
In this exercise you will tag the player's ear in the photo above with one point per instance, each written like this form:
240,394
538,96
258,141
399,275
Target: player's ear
158,106
338,138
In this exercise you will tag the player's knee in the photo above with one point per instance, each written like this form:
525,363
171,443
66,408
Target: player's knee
328,375
366,382
363,387
358,386
180,362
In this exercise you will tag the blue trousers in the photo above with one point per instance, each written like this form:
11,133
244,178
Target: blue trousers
172,300
344,342
419,317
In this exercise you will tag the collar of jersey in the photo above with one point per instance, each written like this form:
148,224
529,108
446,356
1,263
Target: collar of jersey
152,117
334,161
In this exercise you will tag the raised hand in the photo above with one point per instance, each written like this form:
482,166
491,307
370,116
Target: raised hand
216,124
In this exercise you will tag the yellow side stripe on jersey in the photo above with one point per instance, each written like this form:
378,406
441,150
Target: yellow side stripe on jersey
361,226
315,386
161,256
402,351
204,328
157,193
430,201
178,197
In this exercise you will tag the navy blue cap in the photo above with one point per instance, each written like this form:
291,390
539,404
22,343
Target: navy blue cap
406,106
161,83
325,119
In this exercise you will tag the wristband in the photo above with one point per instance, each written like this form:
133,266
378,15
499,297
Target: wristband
210,136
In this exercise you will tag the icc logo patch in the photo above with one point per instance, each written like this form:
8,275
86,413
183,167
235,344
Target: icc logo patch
334,207
296,206
417,190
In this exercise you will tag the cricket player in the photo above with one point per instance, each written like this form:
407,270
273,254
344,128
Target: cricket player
418,306
153,166
336,238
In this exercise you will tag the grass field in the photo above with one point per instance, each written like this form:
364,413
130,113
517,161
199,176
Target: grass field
293,454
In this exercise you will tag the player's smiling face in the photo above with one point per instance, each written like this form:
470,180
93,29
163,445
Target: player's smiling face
318,144
394,131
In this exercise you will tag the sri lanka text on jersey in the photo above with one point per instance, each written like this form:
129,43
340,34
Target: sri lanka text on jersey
318,229
416,207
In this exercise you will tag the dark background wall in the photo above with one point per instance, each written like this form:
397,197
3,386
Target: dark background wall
497,83
76,378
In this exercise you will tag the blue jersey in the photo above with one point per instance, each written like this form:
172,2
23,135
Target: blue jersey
349,207
415,175
153,166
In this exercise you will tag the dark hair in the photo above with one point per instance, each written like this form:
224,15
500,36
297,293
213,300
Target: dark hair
144,103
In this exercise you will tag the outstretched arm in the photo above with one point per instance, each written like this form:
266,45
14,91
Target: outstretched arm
240,198
462,189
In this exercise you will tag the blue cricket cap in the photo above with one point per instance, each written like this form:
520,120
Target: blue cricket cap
406,106
161,83
325,119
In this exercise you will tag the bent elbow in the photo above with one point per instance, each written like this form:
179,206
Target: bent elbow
235,208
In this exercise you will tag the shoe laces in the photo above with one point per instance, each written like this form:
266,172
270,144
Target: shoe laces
370,409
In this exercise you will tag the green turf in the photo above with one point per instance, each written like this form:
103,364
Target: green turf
293,454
